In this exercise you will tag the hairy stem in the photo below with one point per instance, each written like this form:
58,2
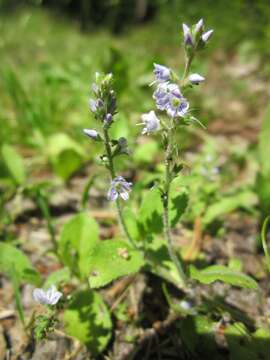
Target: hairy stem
118,202
166,196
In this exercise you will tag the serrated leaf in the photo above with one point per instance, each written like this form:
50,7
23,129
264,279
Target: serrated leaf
112,259
61,276
222,273
14,163
150,214
88,320
227,204
78,238
13,262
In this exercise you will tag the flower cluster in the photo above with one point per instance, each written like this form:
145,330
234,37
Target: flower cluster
195,37
168,94
103,106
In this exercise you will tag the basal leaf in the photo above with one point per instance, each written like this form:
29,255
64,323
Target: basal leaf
222,273
78,238
112,259
14,163
88,320
13,261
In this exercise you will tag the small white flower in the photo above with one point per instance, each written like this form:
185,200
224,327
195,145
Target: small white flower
151,122
196,78
47,297
206,36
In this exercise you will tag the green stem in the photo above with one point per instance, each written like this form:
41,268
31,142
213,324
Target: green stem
189,60
166,196
113,174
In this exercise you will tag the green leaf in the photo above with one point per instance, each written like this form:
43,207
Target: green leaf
228,204
61,276
159,260
150,214
198,336
14,163
13,261
88,320
65,155
222,273
112,259
178,201
78,237
131,223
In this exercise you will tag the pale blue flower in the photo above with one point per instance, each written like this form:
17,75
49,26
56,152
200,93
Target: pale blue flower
47,297
169,98
119,187
162,73
151,122
95,105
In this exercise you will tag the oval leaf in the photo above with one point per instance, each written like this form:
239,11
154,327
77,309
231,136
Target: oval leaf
222,273
112,259
14,163
78,238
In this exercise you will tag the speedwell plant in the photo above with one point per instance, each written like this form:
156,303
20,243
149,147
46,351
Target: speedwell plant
147,240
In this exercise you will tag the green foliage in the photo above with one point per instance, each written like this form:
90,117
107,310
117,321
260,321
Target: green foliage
222,273
178,201
78,238
245,199
44,324
245,346
14,163
112,259
88,320
198,335
150,214
14,263
159,261
65,155
61,276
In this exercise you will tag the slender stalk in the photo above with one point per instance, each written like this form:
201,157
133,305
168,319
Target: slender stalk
113,174
166,196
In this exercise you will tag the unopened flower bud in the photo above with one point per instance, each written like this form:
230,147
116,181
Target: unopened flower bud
187,35
93,134
108,118
199,27
206,36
